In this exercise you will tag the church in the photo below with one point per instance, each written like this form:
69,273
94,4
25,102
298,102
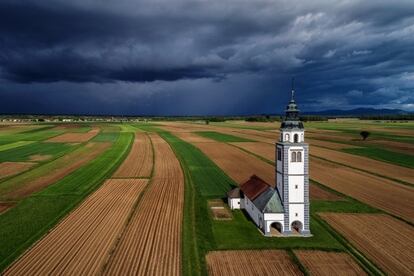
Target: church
282,209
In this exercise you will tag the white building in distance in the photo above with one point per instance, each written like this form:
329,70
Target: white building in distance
283,210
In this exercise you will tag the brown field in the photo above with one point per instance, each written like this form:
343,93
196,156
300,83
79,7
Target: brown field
378,192
264,150
330,145
151,243
75,137
328,263
4,206
139,160
317,193
192,137
239,165
251,262
367,164
12,168
82,242
387,241
63,166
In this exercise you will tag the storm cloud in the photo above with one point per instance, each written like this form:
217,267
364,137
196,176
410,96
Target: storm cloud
204,57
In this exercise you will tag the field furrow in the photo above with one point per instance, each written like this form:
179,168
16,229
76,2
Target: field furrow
75,137
151,243
387,241
323,263
254,262
81,243
12,168
140,159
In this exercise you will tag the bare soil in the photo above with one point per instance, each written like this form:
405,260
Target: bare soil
82,242
251,262
151,243
385,240
317,193
219,210
376,191
12,168
139,160
75,137
323,263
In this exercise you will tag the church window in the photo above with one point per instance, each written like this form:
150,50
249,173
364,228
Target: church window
298,156
295,138
279,154
296,186
296,214
293,157
287,137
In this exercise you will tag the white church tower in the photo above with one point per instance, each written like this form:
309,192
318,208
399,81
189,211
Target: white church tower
292,171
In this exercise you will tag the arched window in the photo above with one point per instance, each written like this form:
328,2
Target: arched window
299,156
295,138
293,156
287,137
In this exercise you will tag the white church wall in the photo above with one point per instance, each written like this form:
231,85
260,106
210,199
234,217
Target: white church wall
275,217
253,212
296,192
295,167
296,212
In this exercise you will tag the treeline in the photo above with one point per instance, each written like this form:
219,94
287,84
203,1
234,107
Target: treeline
395,117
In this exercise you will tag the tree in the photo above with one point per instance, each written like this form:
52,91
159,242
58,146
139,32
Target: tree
364,134
207,122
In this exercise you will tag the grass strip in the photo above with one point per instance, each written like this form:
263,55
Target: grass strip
221,137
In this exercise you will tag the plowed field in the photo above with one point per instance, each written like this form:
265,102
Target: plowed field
318,193
329,263
375,191
75,137
12,168
139,160
239,165
246,262
385,240
151,243
81,243
367,164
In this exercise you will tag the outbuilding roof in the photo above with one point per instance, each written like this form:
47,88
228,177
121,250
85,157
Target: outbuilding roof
234,193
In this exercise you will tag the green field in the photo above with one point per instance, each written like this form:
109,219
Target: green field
32,217
221,137
397,158
24,153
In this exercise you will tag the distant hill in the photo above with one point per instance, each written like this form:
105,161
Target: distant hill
358,112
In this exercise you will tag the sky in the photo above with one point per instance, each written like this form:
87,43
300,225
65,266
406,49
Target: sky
129,57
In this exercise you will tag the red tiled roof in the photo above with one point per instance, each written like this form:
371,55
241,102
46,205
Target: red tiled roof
254,187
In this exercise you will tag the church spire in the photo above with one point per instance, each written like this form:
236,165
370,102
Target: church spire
293,89
291,119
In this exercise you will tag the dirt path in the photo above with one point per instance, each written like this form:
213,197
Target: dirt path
151,243
378,192
139,160
387,241
323,263
81,243
251,262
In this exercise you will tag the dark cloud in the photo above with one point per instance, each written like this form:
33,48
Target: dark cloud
187,57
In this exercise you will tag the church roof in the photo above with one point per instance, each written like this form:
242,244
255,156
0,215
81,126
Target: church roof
262,195
254,187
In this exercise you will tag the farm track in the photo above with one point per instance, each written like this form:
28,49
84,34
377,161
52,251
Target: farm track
57,170
367,164
151,243
140,159
385,240
75,137
81,243
251,262
378,192
322,263
12,168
